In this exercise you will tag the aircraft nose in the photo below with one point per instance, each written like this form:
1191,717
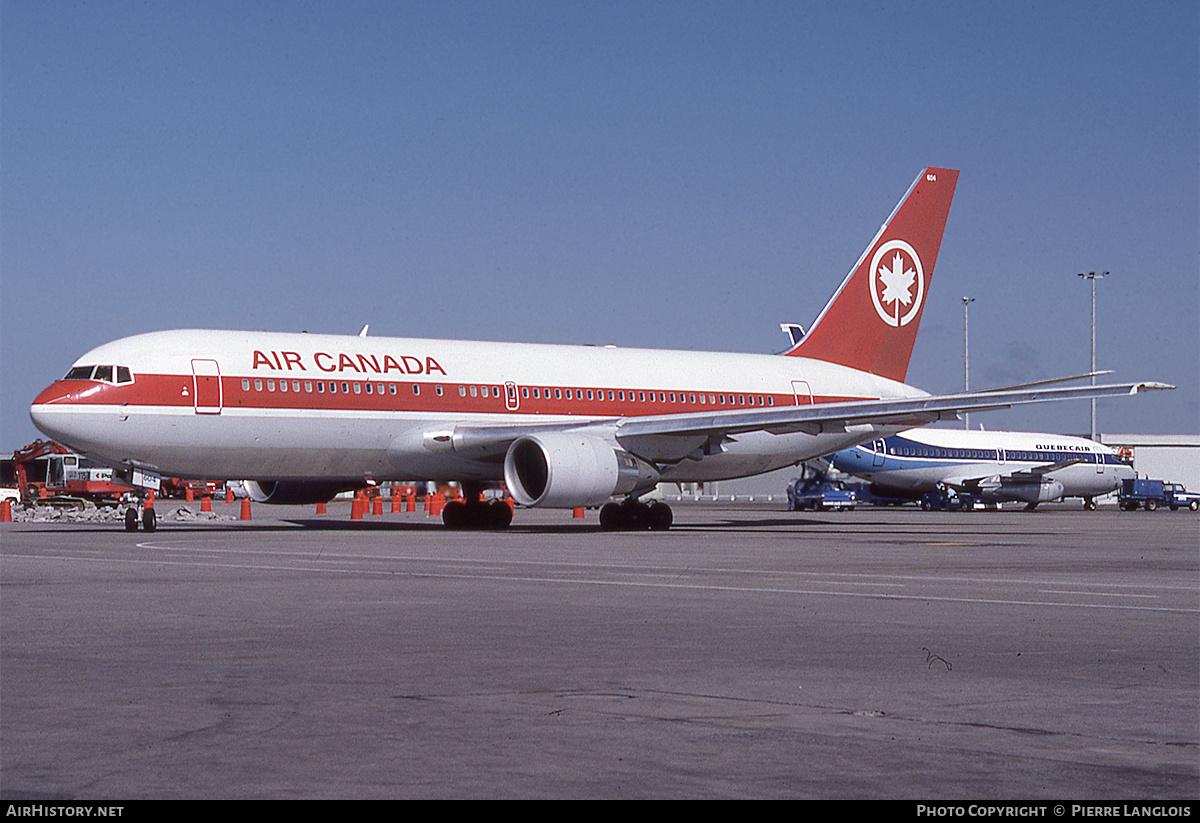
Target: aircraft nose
49,411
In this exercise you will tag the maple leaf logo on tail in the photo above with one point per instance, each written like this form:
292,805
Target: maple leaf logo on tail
897,268
871,322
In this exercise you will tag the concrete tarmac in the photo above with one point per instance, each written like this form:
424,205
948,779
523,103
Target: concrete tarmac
748,652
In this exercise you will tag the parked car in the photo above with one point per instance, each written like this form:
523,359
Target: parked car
819,493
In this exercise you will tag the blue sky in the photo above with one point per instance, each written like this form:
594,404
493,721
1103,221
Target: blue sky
670,175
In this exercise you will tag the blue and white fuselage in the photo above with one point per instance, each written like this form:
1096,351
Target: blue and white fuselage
993,466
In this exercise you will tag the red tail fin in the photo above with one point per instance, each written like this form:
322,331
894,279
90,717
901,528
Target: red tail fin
871,323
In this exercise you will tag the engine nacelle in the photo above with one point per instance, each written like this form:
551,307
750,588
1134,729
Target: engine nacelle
566,471
1033,492
293,492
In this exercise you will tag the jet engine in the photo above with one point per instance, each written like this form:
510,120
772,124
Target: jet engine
293,492
1046,491
566,471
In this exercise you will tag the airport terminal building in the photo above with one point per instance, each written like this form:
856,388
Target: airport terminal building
1171,457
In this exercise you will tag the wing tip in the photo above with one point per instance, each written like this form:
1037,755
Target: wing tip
1150,386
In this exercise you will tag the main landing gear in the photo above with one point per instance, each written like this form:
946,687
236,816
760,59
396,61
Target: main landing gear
473,512
634,515
477,514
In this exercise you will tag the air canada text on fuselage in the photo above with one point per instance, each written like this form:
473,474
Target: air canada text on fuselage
346,362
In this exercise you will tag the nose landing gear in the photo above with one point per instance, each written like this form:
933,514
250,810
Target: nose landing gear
149,518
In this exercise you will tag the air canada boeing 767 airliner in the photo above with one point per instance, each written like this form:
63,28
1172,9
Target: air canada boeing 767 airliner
309,415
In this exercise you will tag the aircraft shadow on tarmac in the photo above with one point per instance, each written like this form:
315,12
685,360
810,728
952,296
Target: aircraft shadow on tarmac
434,526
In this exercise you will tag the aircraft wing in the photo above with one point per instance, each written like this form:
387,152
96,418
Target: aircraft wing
1038,472
991,481
670,438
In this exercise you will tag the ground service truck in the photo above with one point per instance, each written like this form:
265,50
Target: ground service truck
1140,492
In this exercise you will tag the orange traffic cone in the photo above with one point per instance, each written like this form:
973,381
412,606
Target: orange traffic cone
245,508
206,503
6,511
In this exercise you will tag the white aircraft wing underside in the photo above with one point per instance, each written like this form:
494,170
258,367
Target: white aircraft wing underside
674,437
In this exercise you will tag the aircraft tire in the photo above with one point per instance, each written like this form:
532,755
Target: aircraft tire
637,516
661,516
610,516
131,520
499,514
149,520
454,515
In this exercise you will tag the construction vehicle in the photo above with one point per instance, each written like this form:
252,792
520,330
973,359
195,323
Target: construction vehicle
1149,494
48,472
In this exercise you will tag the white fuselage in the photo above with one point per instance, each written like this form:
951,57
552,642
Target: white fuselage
997,465
223,404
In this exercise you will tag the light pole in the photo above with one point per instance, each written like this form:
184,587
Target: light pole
1093,277
967,301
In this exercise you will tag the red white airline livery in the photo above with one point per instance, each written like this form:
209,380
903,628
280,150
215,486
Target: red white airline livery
310,415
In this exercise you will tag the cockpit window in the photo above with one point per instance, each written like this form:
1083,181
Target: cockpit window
106,374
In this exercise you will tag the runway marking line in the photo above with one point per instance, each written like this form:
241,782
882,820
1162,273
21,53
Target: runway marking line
627,583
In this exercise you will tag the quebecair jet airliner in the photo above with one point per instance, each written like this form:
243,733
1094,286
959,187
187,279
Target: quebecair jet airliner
995,467
310,415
